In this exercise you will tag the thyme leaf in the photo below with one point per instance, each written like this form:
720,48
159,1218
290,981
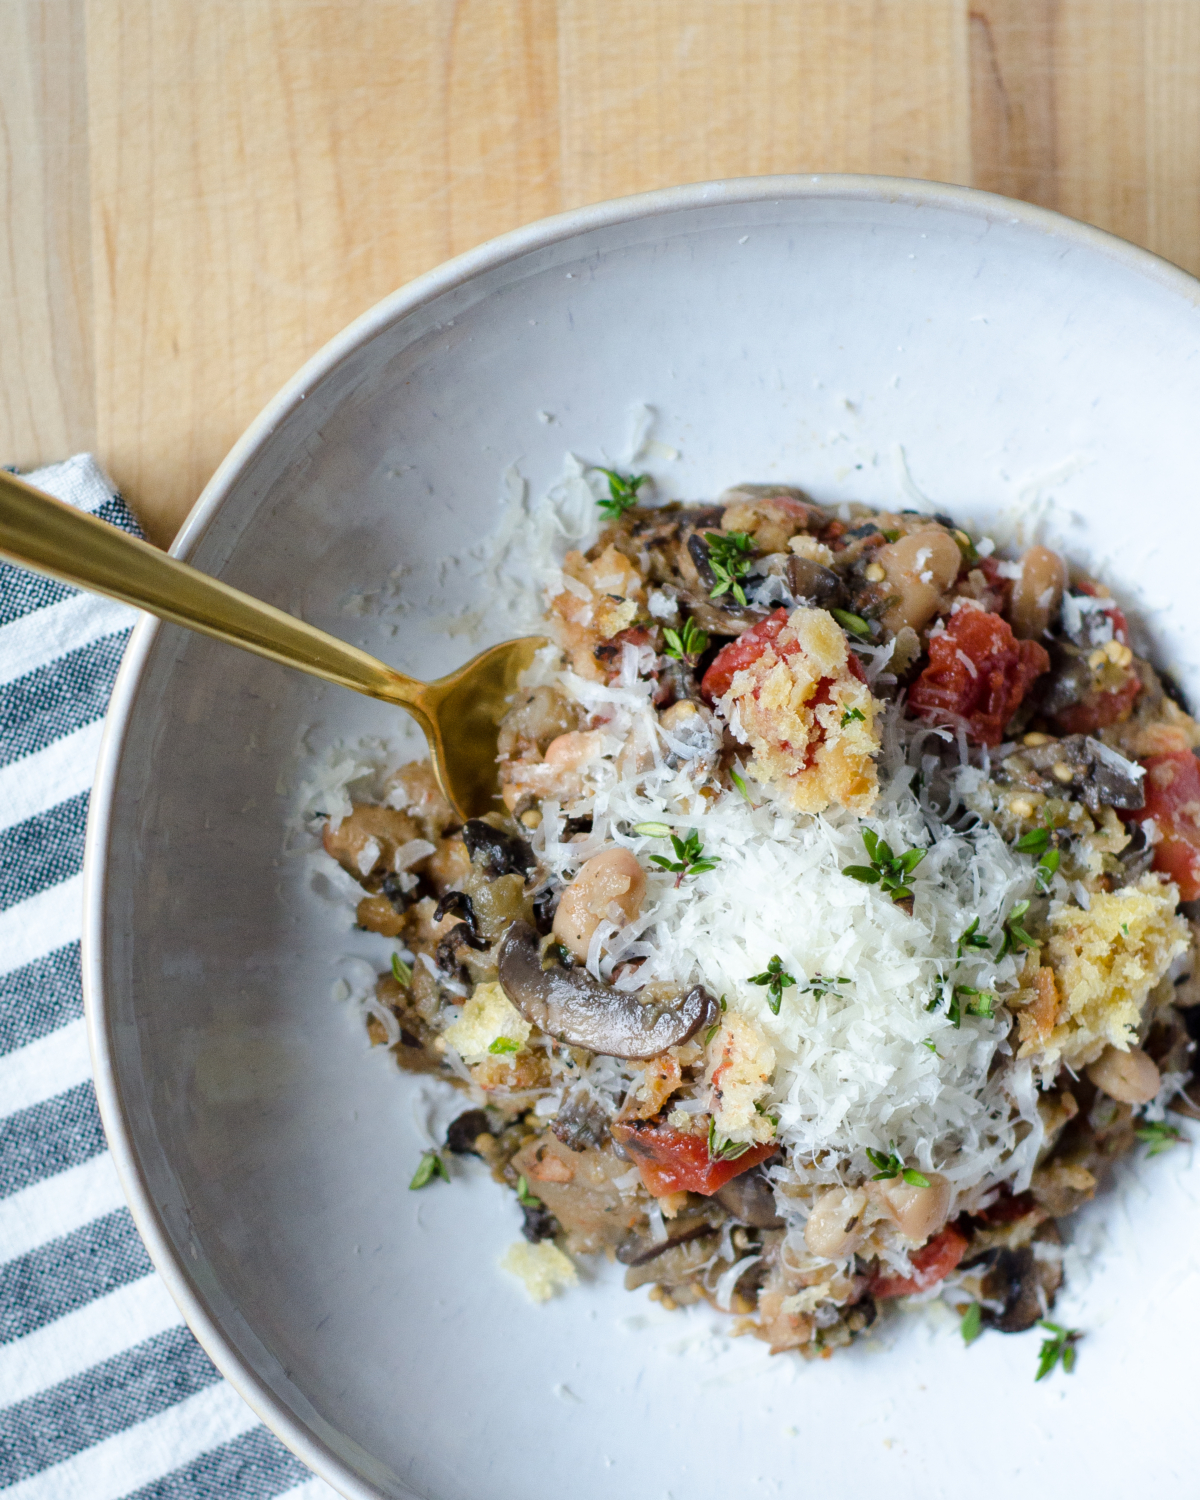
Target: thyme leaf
1159,1136
690,858
686,645
776,979
430,1166
890,1166
1060,1346
622,492
401,972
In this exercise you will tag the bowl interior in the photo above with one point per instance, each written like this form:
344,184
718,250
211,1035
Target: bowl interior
918,347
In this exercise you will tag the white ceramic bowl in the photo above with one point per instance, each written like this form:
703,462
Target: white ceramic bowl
865,338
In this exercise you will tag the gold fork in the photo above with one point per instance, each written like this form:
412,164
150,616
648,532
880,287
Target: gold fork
459,714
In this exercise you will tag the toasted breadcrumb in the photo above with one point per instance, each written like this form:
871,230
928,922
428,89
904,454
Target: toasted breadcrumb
487,1017
542,1267
741,1062
793,706
1106,961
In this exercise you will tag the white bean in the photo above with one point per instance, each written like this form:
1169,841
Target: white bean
1128,1077
920,568
612,875
1037,593
917,1212
835,1227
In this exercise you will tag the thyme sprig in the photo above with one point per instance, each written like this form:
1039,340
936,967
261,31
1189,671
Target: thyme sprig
401,972
853,716
1014,932
622,492
887,870
823,984
729,558
686,645
1159,1136
1037,841
978,1003
972,938
724,1150
430,1166
1059,1347
890,1165
690,858
972,1324
776,979
503,1045
739,781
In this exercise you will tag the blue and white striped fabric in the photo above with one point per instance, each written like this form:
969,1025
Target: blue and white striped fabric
104,1393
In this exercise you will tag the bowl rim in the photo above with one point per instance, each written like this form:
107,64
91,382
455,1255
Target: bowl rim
972,202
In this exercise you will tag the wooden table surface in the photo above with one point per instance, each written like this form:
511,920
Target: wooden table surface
198,193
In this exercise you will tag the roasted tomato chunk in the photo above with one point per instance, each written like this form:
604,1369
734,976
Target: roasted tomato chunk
931,1263
748,647
1099,710
672,1161
1173,801
979,672
731,659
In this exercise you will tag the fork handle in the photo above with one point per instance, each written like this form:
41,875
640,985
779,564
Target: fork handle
42,533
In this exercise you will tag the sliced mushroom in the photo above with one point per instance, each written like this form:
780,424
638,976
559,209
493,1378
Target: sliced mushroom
750,1199
581,1011
814,582
497,852
1024,1282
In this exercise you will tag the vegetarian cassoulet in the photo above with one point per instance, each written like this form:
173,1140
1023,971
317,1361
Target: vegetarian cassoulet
827,945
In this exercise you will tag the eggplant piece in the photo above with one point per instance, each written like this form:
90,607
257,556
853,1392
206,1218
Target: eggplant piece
569,1004
497,852
750,1199
1102,777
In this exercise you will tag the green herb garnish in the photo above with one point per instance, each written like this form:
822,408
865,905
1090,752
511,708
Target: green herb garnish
1046,868
622,492
728,557
654,830
972,1324
504,1044
1033,842
1159,1136
690,858
1060,1346
932,1045
431,1165
972,938
686,645
887,870
401,972
1014,933
776,980
852,716
891,1166
822,984
855,624
525,1197
740,783
724,1150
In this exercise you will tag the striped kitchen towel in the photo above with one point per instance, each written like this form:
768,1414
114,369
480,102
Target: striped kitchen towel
104,1393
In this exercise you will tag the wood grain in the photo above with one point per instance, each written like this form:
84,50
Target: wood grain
200,192
47,387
